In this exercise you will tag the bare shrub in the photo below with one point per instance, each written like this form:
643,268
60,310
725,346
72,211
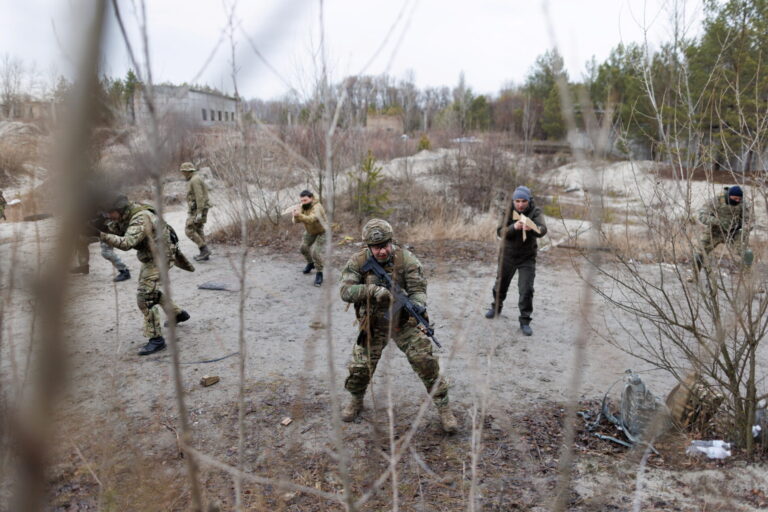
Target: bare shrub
13,157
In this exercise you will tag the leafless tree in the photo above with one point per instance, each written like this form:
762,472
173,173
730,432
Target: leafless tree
11,82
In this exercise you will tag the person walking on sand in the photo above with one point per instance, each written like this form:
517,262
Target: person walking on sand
197,209
520,228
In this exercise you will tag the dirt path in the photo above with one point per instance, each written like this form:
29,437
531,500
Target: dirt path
120,412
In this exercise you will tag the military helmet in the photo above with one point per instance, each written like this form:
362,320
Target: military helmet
115,202
377,231
187,167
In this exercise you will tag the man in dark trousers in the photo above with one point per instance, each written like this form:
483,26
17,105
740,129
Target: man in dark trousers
521,227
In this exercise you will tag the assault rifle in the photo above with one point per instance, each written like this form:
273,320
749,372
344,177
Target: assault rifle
401,300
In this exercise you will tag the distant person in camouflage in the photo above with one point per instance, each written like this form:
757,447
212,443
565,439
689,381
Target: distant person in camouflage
3,202
726,219
312,214
139,222
518,252
107,252
372,303
197,209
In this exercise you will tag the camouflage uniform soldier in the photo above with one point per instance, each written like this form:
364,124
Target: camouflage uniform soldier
312,215
724,217
140,223
372,301
3,202
197,209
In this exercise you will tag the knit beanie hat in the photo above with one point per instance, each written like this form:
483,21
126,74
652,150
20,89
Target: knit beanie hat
522,192
735,191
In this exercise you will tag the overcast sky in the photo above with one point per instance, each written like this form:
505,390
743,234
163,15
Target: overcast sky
493,42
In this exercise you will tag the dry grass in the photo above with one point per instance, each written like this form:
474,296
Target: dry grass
13,157
449,224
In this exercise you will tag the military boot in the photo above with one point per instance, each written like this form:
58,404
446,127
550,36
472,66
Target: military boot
205,254
80,269
350,411
308,268
318,279
122,275
153,345
447,419
182,316
527,331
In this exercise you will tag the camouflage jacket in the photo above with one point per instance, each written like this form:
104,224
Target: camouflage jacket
515,247
722,218
313,217
3,202
197,196
139,233
404,269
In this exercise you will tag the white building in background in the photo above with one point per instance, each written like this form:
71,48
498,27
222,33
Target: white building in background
187,105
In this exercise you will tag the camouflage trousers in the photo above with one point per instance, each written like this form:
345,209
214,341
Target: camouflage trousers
412,342
149,298
194,230
710,240
107,252
312,247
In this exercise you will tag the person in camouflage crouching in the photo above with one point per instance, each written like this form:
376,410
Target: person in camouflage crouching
726,219
197,209
138,223
372,302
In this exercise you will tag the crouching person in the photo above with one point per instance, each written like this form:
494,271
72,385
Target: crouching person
372,300
140,223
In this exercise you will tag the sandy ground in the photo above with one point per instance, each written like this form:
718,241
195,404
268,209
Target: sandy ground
118,418
119,409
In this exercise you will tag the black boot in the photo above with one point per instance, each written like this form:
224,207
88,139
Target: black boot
153,345
205,254
80,269
182,316
318,279
527,331
493,311
122,275
308,268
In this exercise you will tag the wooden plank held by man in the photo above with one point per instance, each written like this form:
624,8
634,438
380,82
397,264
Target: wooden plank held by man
528,222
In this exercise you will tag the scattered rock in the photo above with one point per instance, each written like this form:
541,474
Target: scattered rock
219,285
209,380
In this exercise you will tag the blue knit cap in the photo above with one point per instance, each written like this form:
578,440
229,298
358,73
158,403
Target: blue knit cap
522,192
735,191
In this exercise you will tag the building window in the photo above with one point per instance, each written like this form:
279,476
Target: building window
232,116
213,117
226,116
205,117
219,115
